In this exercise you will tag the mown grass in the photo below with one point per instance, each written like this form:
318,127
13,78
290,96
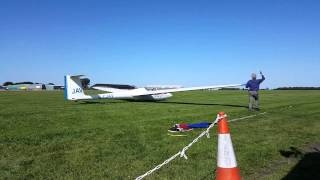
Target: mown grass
45,137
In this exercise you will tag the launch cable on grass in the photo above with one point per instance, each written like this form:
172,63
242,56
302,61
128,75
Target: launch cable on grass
182,153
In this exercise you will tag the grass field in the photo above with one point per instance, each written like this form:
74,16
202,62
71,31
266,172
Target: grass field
45,137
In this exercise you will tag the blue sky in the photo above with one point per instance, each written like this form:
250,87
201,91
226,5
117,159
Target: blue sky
145,42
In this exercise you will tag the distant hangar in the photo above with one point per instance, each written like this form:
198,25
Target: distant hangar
33,87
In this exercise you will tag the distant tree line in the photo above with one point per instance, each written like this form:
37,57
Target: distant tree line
84,81
8,83
298,88
27,82
229,89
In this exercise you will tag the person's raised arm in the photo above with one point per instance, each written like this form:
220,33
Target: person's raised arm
263,78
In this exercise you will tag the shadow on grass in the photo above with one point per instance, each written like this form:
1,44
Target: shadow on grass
99,102
308,166
203,104
160,102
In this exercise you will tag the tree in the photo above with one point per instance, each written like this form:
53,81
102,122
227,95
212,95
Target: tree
7,83
85,83
27,82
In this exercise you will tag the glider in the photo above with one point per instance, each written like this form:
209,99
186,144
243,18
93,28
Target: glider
74,91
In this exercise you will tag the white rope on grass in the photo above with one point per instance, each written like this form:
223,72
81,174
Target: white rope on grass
177,135
247,117
206,132
182,153
158,167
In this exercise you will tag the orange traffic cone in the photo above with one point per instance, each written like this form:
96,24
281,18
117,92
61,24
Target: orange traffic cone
227,163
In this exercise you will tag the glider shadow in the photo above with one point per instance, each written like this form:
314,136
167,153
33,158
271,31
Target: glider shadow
203,104
160,102
99,102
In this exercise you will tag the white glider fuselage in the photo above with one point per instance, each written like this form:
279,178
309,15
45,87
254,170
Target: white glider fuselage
74,91
134,94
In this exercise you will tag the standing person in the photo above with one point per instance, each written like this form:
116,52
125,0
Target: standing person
254,87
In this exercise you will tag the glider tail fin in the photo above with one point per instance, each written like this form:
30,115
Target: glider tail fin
73,88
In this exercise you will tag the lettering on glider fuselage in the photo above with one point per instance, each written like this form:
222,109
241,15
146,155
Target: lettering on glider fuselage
77,90
110,96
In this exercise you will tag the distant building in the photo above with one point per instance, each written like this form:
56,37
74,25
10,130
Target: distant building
49,87
33,87
17,87
30,87
36,87
58,87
